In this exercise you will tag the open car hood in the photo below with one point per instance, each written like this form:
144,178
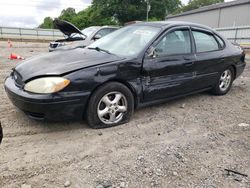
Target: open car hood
66,27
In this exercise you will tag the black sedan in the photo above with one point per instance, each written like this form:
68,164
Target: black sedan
135,66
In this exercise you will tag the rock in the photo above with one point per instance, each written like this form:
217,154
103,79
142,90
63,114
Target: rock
178,155
183,105
122,184
26,186
87,167
243,125
158,172
22,169
147,170
100,133
183,160
140,157
175,173
104,184
67,184
107,184
99,186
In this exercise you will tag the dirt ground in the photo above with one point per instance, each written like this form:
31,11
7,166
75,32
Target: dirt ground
189,142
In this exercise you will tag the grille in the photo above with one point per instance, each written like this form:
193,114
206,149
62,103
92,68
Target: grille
18,79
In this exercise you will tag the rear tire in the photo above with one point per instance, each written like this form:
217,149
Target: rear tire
224,82
110,105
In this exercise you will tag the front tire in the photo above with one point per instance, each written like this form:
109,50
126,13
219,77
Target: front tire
110,105
224,82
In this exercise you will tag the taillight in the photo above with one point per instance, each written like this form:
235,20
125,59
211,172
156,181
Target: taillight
243,56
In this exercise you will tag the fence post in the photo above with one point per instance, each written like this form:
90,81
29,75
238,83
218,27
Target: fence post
1,32
53,34
236,33
20,34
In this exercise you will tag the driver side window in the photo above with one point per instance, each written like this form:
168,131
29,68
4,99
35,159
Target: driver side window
174,43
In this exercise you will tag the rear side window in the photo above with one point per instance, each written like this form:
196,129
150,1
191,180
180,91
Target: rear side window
205,42
221,42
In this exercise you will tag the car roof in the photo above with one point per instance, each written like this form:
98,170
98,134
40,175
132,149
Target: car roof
109,26
165,24
105,26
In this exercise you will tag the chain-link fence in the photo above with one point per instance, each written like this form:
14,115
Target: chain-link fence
29,34
240,35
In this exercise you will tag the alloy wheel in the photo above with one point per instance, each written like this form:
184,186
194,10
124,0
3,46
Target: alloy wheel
111,107
225,80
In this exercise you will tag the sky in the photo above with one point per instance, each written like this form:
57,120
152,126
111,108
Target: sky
30,13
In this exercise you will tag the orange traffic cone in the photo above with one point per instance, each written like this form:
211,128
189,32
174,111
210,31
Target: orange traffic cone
14,56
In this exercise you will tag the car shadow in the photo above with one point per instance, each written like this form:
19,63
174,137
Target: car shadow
32,126
61,126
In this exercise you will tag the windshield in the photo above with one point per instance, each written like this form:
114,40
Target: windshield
89,30
127,41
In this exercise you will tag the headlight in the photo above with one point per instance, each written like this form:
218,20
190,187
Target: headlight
46,85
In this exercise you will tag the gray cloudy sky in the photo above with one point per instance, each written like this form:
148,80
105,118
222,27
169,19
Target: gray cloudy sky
30,13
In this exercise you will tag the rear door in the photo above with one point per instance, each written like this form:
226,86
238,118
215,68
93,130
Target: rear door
170,71
209,57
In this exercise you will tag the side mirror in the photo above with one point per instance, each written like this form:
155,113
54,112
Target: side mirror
96,37
151,52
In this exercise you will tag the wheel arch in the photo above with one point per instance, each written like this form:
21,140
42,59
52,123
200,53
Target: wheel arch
234,69
233,66
125,83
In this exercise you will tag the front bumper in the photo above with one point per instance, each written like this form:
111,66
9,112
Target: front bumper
59,106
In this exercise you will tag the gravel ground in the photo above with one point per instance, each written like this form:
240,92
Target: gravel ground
189,142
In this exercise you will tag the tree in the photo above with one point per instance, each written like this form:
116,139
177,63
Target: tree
129,10
172,6
67,14
121,10
115,12
47,23
161,8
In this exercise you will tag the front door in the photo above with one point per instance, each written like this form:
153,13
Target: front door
170,70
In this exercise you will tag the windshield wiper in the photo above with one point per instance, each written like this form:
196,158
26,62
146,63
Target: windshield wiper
99,50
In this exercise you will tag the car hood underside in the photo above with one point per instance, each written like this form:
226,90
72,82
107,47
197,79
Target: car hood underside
66,27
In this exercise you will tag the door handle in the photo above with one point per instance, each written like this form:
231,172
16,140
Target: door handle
187,59
189,64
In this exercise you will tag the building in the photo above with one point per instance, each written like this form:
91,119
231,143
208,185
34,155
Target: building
220,15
